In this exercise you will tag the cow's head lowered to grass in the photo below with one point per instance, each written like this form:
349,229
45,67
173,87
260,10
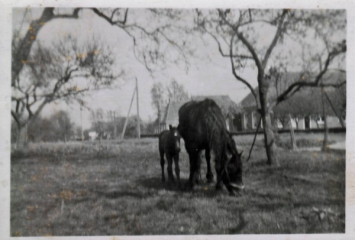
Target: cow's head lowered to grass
232,169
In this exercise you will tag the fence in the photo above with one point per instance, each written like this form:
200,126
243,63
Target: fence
316,130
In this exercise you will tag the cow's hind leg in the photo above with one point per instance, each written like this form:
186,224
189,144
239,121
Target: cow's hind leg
193,167
219,185
177,168
162,165
197,175
170,168
209,174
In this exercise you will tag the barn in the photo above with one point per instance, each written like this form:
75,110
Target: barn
229,109
304,107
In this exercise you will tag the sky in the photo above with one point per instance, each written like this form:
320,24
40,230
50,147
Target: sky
208,75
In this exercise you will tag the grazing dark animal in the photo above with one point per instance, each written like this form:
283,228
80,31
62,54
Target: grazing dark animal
169,144
203,127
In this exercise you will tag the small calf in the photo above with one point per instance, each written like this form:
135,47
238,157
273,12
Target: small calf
169,144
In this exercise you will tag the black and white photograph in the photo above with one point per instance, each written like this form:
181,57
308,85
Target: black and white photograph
139,121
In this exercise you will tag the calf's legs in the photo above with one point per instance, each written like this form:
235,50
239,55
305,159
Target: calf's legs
170,168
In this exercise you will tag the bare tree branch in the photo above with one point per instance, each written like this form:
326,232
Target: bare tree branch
120,23
22,50
243,39
276,38
239,77
227,55
316,83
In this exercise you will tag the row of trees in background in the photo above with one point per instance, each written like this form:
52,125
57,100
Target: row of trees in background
53,73
110,125
56,127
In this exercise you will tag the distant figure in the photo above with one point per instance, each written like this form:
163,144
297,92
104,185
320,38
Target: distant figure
203,127
169,144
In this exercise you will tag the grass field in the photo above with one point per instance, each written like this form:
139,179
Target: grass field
115,189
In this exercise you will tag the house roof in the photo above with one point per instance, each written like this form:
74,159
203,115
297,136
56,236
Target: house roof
307,100
172,111
223,101
226,104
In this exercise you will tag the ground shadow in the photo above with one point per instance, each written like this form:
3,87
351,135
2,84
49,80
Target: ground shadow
156,183
202,189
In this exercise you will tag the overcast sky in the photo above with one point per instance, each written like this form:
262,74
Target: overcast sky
207,76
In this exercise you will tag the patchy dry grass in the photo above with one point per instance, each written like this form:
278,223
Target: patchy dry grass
116,189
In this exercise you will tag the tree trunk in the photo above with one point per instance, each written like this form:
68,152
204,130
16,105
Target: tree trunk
292,133
269,139
276,128
21,136
266,112
325,140
326,130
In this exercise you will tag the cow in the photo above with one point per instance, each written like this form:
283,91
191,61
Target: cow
203,127
169,144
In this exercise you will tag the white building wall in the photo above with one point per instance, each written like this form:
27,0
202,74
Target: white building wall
301,124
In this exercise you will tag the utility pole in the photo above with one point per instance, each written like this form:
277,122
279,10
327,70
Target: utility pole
138,120
129,110
81,125
114,125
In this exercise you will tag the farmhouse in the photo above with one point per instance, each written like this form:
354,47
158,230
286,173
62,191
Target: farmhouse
305,107
228,107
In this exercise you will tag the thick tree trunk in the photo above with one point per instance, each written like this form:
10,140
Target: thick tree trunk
266,112
21,136
269,139
325,141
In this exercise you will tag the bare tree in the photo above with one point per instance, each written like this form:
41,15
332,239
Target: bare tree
240,36
112,120
97,120
56,72
21,46
158,99
63,126
176,91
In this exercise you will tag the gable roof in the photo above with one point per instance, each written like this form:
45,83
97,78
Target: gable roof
223,101
226,104
172,111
